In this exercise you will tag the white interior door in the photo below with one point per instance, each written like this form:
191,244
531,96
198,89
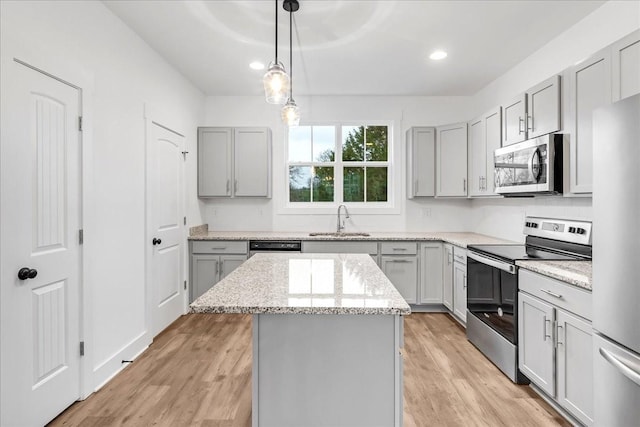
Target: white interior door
40,221
165,237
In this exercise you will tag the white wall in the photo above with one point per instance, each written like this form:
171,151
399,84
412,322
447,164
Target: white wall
84,43
403,112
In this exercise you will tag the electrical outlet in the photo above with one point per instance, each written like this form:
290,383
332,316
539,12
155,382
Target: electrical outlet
426,212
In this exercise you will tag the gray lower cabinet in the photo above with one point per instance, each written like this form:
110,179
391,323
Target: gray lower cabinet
460,283
555,344
447,276
211,261
430,273
402,271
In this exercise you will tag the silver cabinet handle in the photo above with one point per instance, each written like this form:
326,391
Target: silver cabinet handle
464,184
544,328
217,267
530,123
235,186
558,328
399,249
228,186
399,260
553,294
221,248
464,281
520,128
416,189
626,367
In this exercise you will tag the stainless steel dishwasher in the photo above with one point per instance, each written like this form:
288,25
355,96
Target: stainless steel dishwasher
274,246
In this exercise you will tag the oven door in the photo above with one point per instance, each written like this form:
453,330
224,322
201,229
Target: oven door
492,288
522,167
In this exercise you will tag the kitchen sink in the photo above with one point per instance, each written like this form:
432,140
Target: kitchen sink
341,234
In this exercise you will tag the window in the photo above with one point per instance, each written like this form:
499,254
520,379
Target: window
335,164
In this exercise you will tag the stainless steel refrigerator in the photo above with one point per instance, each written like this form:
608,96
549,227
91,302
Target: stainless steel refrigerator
616,263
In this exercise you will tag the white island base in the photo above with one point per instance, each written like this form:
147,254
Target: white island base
327,370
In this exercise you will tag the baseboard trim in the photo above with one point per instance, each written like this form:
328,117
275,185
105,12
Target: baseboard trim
108,369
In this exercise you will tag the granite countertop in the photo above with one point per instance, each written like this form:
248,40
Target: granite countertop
577,273
459,239
304,284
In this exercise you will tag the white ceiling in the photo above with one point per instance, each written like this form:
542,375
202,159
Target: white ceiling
348,47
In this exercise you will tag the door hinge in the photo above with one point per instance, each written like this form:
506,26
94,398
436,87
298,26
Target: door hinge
81,348
185,285
185,220
81,236
80,123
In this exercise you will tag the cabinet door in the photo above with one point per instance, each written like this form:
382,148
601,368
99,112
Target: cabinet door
513,128
477,157
214,162
626,66
431,273
252,162
543,108
228,263
590,88
403,273
451,160
574,369
204,274
535,342
447,277
421,162
460,290
493,138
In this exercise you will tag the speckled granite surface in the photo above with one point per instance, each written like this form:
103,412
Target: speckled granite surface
577,273
304,284
458,239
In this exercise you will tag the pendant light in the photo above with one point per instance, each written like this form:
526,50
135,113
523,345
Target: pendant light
276,80
290,111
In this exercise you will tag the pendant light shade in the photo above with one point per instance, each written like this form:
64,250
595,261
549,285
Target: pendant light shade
276,83
276,80
290,111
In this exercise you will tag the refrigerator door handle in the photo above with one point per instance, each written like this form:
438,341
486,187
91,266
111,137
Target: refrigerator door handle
631,372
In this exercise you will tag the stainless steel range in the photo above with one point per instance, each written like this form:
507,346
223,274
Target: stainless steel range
492,284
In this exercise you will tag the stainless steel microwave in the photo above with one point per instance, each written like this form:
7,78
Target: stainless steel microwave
529,168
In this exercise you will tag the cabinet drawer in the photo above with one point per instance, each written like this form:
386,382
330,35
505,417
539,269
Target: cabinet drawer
341,247
460,254
220,247
399,248
558,293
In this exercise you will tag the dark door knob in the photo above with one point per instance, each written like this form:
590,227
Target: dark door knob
27,273
156,241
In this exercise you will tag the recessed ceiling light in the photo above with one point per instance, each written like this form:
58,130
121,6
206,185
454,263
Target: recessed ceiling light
438,54
256,65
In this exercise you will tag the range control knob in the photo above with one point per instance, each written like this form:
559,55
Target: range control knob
572,229
581,231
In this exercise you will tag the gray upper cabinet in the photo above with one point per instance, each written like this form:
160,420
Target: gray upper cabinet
421,152
513,119
215,151
589,87
451,160
234,162
626,66
484,139
534,113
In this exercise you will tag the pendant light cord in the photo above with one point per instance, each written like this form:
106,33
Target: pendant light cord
290,54
276,4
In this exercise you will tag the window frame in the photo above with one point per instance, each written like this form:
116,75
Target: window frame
364,207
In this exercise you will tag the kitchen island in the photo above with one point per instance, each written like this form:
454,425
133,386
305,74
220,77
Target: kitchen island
327,336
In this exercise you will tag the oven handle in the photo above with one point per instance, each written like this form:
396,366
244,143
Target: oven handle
509,268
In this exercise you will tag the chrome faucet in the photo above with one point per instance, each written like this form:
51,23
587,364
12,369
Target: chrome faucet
346,215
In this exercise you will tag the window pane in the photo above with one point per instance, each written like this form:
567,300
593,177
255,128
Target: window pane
300,144
376,184
324,143
376,143
300,183
353,143
353,184
323,184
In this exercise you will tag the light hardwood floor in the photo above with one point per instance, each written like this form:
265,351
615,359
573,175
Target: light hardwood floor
198,373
